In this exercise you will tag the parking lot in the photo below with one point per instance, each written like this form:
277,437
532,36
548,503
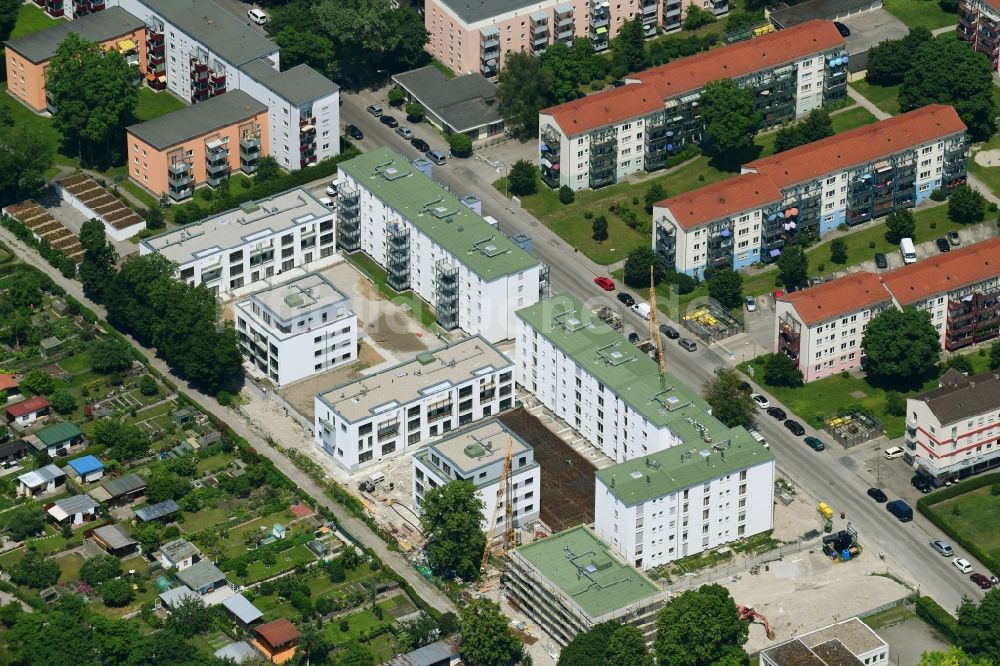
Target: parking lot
870,28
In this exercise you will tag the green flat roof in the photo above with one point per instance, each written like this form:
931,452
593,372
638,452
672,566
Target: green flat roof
674,469
583,568
59,433
438,214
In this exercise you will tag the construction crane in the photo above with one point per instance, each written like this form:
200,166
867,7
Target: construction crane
504,491
654,328
748,614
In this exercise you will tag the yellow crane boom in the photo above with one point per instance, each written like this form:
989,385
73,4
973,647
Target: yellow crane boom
654,327
504,489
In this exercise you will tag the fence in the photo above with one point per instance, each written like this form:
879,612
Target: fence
738,567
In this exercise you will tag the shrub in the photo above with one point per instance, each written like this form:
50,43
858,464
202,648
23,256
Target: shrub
930,612
414,113
396,97
895,403
116,593
460,144
566,195
587,215
995,489
939,195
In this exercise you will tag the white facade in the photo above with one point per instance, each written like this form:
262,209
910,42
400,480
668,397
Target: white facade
827,645
477,455
297,329
382,415
250,244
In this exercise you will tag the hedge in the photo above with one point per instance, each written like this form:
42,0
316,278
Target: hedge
925,506
933,614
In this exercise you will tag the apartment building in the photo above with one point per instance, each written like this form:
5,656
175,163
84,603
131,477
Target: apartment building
297,329
821,328
979,24
692,498
71,9
571,581
428,241
28,57
849,641
477,455
849,178
601,138
255,242
953,431
382,415
603,386
201,144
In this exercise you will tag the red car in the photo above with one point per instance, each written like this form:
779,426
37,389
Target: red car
981,580
604,283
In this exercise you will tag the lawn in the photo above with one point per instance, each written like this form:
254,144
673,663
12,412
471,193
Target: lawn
76,363
69,567
851,118
31,19
884,97
361,622
286,561
415,305
154,104
196,522
216,462
976,516
926,13
23,117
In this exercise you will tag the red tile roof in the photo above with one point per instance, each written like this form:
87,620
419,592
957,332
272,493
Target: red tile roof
941,273
692,73
721,199
278,633
851,293
861,145
8,382
25,407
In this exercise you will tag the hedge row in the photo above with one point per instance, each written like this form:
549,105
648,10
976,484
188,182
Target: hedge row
926,506
933,614
56,258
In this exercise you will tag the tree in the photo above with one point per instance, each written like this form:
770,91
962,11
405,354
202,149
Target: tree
314,645
789,136
486,636
523,178
452,521
944,70
902,346
895,403
977,634
731,118
730,403
838,251
94,93
124,441
100,258
356,654
35,571
599,229
817,125
419,632
26,152
726,286
966,205
267,170
38,382
460,144
414,112
306,47
628,648
655,193
111,354
961,363
147,385
698,628
523,92
900,224
63,401
629,48
162,487
154,218
396,96
589,648
697,17
953,657
780,370
116,593
8,17
336,572
995,355
100,569
889,61
637,265
793,266
190,617
566,195
26,522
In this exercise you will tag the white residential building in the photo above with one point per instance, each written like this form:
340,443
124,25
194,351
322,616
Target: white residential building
602,138
297,329
849,641
953,431
254,242
477,455
379,416
428,241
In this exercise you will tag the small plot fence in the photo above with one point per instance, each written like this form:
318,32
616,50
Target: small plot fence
712,322
854,426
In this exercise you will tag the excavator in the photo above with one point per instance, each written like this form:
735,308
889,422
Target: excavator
748,614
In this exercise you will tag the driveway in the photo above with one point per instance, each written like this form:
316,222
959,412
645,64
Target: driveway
871,28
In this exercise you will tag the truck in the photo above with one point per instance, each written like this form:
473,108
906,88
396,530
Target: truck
901,510
641,309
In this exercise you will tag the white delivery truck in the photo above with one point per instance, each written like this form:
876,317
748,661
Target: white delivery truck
908,251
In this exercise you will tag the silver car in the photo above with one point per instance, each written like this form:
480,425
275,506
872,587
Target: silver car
942,547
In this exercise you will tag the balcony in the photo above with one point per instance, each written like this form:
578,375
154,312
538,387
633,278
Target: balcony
55,8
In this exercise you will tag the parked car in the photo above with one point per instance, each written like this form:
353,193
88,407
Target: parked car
375,110
688,344
893,452
745,387
943,245
633,337
604,283
954,238
777,413
257,16
942,547
355,132
626,299
962,565
921,483
795,427
436,156
878,495
761,401
815,443
331,189
881,261
405,132
751,304
669,331
981,580
389,121
842,29
420,144
900,509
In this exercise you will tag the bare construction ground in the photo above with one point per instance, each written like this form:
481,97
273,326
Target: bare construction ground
567,477
301,395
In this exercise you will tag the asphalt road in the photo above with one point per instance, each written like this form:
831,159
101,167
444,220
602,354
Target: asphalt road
822,474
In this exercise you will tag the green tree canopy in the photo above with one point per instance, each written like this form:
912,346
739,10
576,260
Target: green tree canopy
116,593
305,47
629,48
523,178
63,401
817,125
780,370
655,193
190,617
793,266
111,354
460,144
902,346
838,251
952,657
977,627
26,152
944,70
452,518
523,91
124,441
966,205
35,571
599,229
98,269
900,224
486,636
25,522
38,382
890,60
100,569
730,404
589,648
788,136
637,268
628,648
698,628
995,355
731,119
726,286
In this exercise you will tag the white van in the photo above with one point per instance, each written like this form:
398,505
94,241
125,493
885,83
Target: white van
893,453
641,309
257,16
907,250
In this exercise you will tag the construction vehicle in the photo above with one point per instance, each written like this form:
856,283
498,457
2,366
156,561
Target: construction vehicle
504,491
748,614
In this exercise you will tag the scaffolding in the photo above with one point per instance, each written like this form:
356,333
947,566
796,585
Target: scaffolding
349,220
446,294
